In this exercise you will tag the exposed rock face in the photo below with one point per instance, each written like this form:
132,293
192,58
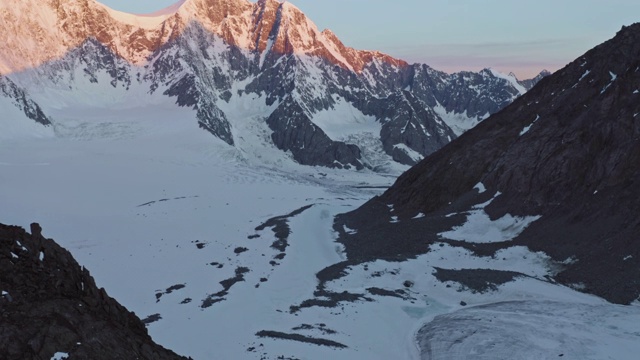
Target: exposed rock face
413,124
568,151
529,83
22,101
294,131
209,54
49,305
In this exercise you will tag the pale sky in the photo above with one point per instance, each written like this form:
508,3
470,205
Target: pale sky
451,35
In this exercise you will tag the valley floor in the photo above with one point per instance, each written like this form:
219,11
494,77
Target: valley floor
215,249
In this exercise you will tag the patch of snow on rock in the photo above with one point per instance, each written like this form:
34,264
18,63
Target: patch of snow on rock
480,187
349,230
527,128
479,228
458,122
414,155
344,120
60,356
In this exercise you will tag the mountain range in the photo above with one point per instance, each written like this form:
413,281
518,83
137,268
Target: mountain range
515,237
557,170
251,73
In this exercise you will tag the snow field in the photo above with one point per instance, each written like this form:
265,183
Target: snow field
165,215
150,213
479,228
134,211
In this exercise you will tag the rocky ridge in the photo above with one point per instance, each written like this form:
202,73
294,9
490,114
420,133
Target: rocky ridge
21,100
567,152
50,305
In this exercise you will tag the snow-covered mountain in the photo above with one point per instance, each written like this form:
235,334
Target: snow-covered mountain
556,172
552,179
485,249
252,73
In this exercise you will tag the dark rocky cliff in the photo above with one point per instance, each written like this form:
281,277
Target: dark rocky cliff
568,151
49,304
22,101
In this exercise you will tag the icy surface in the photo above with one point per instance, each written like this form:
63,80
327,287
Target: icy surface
146,200
173,221
344,120
533,330
159,203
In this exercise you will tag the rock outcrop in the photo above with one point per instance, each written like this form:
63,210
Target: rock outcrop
50,305
567,151
21,100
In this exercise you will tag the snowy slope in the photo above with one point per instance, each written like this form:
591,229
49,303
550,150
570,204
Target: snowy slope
21,116
15,125
204,54
228,251
511,79
176,225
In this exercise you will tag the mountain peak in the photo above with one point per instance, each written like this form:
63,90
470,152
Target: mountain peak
567,152
64,25
208,53
169,10
215,11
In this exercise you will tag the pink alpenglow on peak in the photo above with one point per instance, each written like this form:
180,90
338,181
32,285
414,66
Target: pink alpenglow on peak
35,32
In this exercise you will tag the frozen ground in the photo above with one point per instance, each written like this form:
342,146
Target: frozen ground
533,329
219,244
